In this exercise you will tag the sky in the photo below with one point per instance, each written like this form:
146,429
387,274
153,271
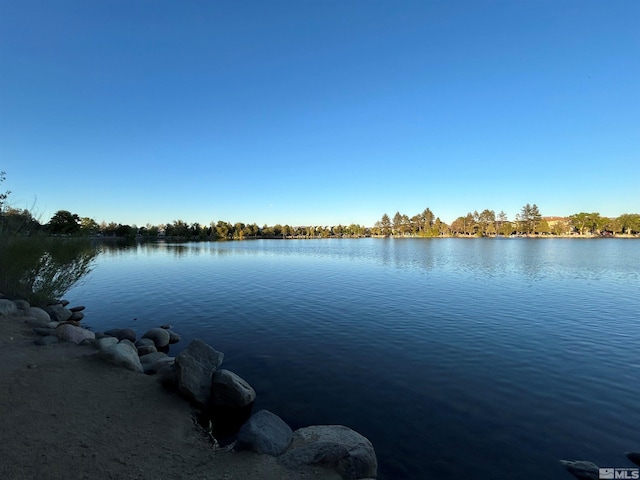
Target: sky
319,112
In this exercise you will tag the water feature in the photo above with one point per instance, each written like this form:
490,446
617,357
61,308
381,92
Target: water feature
457,358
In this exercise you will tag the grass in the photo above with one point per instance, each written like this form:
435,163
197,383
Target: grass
40,268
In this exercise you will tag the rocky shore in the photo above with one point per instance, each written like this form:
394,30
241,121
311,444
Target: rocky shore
52,361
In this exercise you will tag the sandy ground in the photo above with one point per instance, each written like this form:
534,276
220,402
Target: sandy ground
64,413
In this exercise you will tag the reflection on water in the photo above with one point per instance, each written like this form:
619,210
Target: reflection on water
458,358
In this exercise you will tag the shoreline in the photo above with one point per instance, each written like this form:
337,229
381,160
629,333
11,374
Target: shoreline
71,414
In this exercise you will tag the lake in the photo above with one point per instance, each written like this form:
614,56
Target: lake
457,358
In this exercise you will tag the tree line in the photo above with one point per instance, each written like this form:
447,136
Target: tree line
528,221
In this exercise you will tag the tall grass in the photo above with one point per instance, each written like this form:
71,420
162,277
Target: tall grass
41,268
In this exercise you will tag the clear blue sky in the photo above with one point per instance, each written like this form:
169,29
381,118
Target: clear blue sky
319,112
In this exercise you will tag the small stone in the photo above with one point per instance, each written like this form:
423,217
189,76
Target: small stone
146,350
7,307
155,361
58,313
173,337
122,334
166,326
77,309
70,333
123,354
64,303
160,337
76,316
106,342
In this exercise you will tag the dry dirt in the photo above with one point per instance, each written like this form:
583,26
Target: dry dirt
67,414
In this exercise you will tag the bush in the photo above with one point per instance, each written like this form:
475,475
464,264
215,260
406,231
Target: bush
41,269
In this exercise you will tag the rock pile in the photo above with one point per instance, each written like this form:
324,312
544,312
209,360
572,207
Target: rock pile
221,395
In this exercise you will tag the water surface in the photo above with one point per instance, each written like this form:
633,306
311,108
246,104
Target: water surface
457,358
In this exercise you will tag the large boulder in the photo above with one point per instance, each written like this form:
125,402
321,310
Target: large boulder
194,368
71,333
229,390
265,433
58,313
7,307
332,446
160,337
124,354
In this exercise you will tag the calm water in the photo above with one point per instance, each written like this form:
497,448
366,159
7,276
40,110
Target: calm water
458,359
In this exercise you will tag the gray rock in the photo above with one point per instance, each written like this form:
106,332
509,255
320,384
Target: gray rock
160,337
144,350
22,304
166,326
582,469
7,307
36,322
49,340
155,361
53,324
123,354
58,313
194,368
71,333
64,303
333,446
122,334
105,342
264,433
145,342
77,309
173,337
38,313
76,316
229,390
634,457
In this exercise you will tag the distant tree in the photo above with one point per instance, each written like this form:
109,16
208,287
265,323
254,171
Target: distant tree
397,223
64,222
630,223
486,221
88,226
385,223
529,218
586,222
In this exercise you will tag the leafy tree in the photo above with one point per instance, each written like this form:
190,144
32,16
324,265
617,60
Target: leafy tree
88,226
630,222
64,222
397,223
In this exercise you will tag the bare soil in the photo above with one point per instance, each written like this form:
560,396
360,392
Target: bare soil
64,413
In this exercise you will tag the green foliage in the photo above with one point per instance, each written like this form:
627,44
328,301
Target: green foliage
64,222
40,269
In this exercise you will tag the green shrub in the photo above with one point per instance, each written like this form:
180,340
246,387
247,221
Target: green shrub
41,268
